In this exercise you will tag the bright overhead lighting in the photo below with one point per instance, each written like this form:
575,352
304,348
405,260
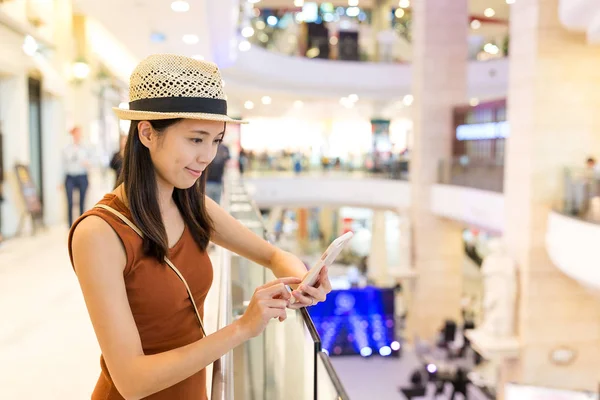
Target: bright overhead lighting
404,3
352,11
81,70
272,20
474,102
30,45
510,1
491,48
299,3
248,32
399,13
475,24
253,1
244,45
266,100
248,105
408,100
346,102
489,12
353,98
180,6
198,57
190,39
352,3
298,104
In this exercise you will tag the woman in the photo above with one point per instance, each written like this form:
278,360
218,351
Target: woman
152,345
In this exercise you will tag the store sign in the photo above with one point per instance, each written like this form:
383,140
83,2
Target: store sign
486,131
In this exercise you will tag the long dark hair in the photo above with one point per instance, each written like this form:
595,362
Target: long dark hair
141,189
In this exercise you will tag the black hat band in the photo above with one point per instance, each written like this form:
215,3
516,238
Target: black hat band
180,105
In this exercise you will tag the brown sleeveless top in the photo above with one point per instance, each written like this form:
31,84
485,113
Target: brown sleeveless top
159,302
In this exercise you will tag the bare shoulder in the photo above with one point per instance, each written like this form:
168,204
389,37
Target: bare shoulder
96,243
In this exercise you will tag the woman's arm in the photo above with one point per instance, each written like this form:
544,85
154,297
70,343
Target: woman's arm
232,235
135,374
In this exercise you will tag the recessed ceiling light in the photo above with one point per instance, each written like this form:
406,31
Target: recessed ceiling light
266,100
253,1
408,100
248,105
198,57
404,3
353,98
352,11
190,39
353,3
399,13
489,12
180,6
272,20
248,32
475,24
244,45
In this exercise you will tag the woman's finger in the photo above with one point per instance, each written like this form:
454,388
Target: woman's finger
316,293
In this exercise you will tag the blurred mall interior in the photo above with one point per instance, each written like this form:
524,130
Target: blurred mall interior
458,139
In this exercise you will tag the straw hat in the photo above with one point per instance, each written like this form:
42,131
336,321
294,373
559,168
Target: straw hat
165,86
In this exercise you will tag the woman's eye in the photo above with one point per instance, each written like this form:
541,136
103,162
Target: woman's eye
196,140
218,141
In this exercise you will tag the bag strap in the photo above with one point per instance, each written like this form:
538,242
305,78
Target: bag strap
167,261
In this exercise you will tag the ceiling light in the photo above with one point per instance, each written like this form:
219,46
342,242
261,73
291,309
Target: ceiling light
474,102
299,3
198,57
510,1
248,32
253,1
475,24
272,20
30,45
408,100
81,70
333,40
266,100
353,3
261,25
491,48
352,11
399,13
489,12
346,102
190,39
248,105
298,104
404,3
244,45
353,98
180,6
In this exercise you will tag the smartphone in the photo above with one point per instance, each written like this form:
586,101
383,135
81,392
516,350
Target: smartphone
326,260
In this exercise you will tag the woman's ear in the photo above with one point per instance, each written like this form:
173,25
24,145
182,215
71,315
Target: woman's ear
145,133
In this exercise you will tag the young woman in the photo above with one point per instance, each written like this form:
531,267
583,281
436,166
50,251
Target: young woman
143,314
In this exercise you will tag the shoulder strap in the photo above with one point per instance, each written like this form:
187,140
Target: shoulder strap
167,261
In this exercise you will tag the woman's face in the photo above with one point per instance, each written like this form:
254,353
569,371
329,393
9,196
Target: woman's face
182,151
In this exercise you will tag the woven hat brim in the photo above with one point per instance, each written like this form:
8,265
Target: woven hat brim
132,115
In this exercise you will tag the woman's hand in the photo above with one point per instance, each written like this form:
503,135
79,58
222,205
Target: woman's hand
268,301
309,296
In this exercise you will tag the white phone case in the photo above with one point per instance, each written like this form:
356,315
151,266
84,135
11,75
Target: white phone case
326,260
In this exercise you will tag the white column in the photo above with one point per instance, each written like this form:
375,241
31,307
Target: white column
378,257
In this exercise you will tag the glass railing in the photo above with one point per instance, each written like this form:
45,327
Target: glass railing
283,362
581,194
392,169
472,173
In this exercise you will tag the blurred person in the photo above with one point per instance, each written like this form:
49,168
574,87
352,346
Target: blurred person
76,160
459,383
242,160
116,162
147,309
216,170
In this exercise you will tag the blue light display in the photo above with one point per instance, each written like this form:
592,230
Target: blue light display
357,321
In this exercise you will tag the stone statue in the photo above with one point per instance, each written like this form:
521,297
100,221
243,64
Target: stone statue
500,291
